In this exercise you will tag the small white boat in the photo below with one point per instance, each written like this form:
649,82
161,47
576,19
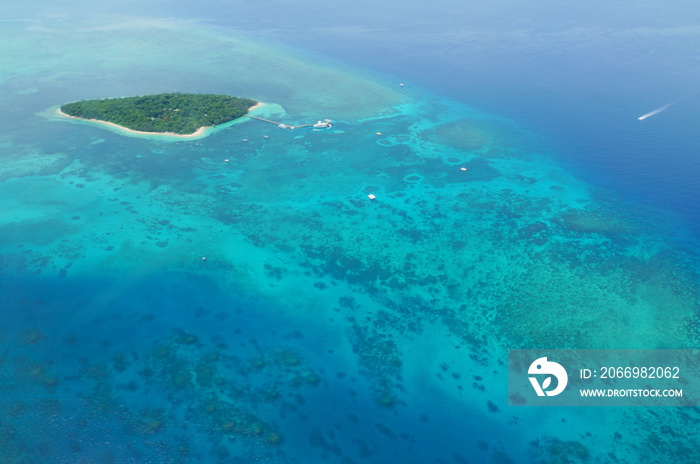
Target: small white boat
326,123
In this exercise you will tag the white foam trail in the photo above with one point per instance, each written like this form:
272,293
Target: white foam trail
665,107
656,111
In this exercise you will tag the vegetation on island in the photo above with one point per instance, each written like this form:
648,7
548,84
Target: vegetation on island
178,113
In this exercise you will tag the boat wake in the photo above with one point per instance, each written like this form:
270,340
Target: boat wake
656,111
665,107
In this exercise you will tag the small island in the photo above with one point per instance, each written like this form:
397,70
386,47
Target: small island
182,114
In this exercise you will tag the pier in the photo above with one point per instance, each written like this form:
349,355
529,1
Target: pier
325,124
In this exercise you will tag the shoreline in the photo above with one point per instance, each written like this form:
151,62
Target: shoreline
199,133
255,107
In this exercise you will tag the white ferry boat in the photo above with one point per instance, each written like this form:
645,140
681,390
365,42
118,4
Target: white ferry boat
325,124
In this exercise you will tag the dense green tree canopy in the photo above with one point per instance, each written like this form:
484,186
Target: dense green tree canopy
179,113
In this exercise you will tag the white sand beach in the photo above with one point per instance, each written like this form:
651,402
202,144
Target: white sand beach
199,133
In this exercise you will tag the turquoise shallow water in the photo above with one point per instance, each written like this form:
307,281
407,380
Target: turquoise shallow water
221,300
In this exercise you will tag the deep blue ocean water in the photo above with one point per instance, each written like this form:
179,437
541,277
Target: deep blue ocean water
229,301
578,75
